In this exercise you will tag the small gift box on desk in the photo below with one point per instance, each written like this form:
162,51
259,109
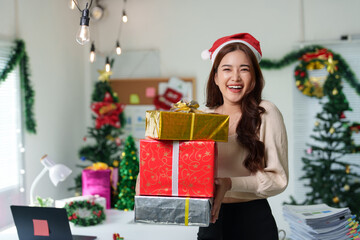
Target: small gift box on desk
173,210
177,168
185,122
97,182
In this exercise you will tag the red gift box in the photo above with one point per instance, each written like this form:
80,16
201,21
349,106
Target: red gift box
177,168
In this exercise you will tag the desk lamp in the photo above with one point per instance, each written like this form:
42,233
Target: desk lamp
57,173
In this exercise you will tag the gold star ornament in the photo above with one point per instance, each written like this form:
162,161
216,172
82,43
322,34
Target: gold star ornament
331,64
104,75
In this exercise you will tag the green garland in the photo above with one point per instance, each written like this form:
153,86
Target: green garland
97,214
343,69
19,56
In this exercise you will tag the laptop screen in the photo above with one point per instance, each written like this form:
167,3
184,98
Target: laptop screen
48,223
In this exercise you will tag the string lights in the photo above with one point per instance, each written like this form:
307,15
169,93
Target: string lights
117,46
72,4
124,16
107,65
92,53
83,34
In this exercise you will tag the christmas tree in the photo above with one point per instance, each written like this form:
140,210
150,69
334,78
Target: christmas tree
129,169
105,135
332,180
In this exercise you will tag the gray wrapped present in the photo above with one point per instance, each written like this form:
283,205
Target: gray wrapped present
173,210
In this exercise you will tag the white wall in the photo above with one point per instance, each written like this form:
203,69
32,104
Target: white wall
57,66
180,30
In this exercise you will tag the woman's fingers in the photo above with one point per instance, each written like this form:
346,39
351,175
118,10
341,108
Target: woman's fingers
137,186
222,186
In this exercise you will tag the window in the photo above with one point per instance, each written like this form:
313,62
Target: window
11,140
305,109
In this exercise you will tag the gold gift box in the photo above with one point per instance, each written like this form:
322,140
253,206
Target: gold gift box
186,126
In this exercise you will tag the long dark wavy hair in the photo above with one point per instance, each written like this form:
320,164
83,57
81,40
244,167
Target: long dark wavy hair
249,125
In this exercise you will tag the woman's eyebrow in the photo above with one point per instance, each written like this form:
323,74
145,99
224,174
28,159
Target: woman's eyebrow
229,65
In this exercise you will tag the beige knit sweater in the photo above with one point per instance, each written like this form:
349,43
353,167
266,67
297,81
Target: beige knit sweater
262,184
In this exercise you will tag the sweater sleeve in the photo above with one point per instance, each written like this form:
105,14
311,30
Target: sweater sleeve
274,178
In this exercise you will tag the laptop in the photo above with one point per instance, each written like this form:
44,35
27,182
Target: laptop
47,223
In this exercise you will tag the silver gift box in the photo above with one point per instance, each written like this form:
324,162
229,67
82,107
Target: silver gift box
171,210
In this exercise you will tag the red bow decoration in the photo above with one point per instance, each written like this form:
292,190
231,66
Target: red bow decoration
355,128
322,54
107,112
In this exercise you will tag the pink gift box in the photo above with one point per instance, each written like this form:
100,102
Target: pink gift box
97,183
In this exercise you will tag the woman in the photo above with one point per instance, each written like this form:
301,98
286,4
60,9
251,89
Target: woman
252,165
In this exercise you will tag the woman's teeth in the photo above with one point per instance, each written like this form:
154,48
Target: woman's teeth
235,87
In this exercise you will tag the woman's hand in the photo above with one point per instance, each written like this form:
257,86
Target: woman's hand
137,186
222,185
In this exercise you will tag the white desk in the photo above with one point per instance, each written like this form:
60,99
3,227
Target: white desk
122,223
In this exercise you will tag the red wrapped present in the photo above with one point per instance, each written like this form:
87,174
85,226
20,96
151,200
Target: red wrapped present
177,168
97,182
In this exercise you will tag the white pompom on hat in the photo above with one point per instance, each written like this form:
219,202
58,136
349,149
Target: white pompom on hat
244,38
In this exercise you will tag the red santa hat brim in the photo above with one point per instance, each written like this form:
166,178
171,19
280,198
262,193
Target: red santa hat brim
244,38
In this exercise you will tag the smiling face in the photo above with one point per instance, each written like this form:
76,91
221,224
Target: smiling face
234,77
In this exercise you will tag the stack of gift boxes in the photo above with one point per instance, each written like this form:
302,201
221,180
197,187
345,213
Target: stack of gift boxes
177,165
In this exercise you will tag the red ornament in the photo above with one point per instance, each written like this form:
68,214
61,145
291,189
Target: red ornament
107,111
355,128
297,72
302,74
342,115
108,97
118,141
84,138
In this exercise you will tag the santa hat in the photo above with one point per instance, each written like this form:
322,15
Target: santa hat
244,38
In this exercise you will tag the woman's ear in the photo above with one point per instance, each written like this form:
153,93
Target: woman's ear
216,79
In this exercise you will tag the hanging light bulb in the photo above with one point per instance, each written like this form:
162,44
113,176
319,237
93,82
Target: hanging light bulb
107,65
118,48
71,4
83,34
92,53
124,17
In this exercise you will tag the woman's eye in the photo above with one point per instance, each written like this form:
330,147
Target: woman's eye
245,69
226,69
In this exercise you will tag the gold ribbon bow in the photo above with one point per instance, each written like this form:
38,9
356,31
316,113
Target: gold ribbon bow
99,166
187,107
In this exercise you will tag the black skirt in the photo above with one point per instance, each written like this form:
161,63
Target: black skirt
242,221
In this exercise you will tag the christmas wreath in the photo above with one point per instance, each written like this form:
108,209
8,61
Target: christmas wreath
85,213
319,72
313,71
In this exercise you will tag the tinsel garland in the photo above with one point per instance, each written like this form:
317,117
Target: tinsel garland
96,211
19,56
343,68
